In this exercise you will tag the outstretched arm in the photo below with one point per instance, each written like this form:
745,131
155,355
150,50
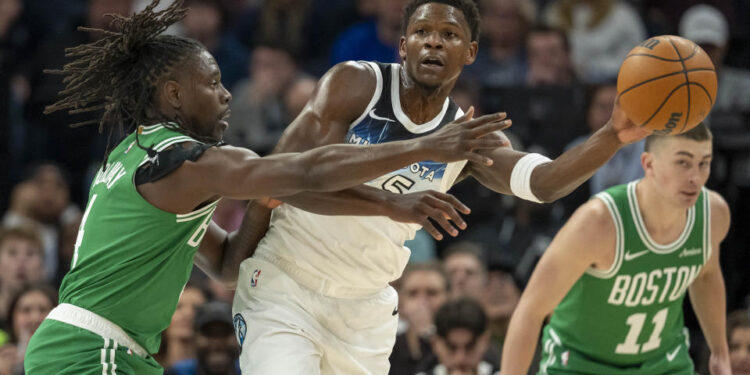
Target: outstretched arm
707,293
555,179
576,247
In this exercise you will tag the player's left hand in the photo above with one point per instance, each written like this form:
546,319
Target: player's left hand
420,207
627,131
719,365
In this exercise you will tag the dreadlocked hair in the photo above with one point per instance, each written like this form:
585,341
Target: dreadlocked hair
115,76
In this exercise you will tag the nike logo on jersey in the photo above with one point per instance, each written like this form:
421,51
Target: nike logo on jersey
376,117
670,356
395,311
631,256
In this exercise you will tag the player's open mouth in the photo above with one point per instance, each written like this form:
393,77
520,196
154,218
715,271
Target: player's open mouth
432,62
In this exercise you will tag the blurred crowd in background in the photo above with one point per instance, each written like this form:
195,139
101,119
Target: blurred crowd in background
550,64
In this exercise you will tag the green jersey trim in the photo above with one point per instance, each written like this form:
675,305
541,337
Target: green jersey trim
643,232
619,239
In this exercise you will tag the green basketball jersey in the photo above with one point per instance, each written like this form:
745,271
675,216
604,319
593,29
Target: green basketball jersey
131,259
631,313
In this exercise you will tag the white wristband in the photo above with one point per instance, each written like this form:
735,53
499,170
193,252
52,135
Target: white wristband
520,178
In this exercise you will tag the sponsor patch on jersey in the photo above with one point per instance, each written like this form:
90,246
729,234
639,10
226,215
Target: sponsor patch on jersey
240,328
254,278
690,252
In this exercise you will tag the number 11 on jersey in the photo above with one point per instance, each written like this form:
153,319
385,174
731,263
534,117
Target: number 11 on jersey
636,321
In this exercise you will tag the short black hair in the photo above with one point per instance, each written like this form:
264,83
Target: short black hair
467,7
541,28
464,313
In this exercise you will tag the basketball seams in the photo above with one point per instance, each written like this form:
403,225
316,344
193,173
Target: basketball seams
710,99
687,80
664,76
666,99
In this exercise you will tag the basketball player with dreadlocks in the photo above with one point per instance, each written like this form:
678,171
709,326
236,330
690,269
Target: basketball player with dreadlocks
151,203
315,298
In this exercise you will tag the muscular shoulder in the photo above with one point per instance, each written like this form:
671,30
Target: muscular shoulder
594,231
720,215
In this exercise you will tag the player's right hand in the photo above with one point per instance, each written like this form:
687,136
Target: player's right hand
426,207
462,138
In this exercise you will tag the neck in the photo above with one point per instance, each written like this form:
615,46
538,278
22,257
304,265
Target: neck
412,343
421,103
663,219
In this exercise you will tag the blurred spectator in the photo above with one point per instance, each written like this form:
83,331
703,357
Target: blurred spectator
708,27
49,136
501,296
625,165
738,336
268,100
461,340
424,288
42,200
216,346
205,22
549,58
601,33
21,263
179,338
465,266
375,40
501,59
28,308
14,45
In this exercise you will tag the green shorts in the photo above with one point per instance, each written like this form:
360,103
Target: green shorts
60,348
558,359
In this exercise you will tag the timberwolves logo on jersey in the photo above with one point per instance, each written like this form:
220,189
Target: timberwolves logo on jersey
385,122
240,328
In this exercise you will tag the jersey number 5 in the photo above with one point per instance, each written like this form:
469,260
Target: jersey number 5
398,184
636,321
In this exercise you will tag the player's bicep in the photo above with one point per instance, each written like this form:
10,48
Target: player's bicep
581,243
342,94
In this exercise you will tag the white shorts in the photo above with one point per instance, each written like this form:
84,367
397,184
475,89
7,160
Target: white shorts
285,328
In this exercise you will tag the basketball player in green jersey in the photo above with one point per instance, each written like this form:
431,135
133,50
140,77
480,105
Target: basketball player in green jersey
617,272
150,205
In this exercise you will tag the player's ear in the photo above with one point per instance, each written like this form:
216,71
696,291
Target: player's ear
647,162
402,48
171,93
471,53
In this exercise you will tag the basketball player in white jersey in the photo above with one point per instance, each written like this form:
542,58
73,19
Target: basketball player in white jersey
314,298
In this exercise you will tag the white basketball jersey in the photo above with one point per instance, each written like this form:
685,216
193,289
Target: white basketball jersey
358,255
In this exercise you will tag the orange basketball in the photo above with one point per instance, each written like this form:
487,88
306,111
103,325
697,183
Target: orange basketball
667,84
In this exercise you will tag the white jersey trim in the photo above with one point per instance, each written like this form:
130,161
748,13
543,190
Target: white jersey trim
619,239
375,95
706,225
401,116
640,225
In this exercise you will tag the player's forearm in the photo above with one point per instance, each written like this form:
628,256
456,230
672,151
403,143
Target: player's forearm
336,167
360,200
708,297
241,244
520,342
559,178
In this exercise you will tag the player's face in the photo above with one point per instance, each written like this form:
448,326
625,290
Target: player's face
739,351
437,45
205,101
679,168
460,351
216,348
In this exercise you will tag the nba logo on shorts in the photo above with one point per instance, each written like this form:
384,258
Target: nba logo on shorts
240,328
254,278
564,357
